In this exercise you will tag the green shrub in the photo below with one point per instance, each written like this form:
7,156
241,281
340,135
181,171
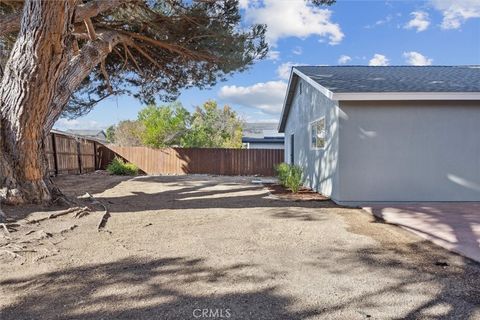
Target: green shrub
119,167
294,179
282,172
290,176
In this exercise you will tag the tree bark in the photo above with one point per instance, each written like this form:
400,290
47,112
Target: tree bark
28,88
11,23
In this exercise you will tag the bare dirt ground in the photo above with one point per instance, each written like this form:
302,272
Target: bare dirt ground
176,246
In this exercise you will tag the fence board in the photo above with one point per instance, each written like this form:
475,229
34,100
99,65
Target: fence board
73,155
202,160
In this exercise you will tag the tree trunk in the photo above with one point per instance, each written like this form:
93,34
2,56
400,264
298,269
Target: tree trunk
28,88
79,67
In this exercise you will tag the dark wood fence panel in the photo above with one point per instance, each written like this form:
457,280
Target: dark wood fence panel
87,155
72,155
202,160
104,156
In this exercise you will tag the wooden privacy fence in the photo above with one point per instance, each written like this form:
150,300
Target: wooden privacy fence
73,155
202,160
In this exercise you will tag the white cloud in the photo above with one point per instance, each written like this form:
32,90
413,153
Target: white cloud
420,21
297,50
283,70
292,18
265,96
456,12
243,4
65,124
273,55
416,59
380,22
344,59
378,60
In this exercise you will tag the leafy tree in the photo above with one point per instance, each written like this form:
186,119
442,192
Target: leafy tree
214,127
129,133
110,133
163,126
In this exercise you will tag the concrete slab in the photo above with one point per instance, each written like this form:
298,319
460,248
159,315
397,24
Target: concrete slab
454,226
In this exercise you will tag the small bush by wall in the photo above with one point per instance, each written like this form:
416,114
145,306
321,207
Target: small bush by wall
282,171
119,167
290,176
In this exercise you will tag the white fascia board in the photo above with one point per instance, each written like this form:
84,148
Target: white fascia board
365,96
329,94
285,101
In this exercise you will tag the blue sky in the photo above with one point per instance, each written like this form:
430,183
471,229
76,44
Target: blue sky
433,32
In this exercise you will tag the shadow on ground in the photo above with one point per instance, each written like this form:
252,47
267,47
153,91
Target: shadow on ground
413,268
389,274
455,226
149,289
198,195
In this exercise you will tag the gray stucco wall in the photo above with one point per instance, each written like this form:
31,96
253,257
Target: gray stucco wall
319,166
409,151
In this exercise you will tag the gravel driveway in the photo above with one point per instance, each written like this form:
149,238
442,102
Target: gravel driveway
202,247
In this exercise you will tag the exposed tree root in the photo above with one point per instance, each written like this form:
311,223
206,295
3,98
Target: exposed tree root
59,198
106,215
3,216
12,253
61,213
73,227
104,220
4,227
27,244
81,213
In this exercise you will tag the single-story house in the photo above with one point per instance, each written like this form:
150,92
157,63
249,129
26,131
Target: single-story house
262,135
263,143
381,134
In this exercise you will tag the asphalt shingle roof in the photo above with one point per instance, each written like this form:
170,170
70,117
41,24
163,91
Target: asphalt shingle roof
342,79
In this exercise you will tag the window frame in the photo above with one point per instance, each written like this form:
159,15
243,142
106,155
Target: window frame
310,129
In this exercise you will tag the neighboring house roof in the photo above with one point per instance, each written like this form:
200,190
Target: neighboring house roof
71,133
356,83
260,130
279,140
87,132
99,134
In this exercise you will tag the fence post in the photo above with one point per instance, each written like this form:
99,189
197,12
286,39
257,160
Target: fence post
95,155
79,157
54,149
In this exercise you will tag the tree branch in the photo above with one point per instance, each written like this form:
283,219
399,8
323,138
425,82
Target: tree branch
79,67
105,75
11,23
90,29
170,47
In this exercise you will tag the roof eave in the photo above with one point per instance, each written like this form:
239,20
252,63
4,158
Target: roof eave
294,75
405,96
365,96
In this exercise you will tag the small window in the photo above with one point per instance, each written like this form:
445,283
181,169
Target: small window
318,134
300,88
